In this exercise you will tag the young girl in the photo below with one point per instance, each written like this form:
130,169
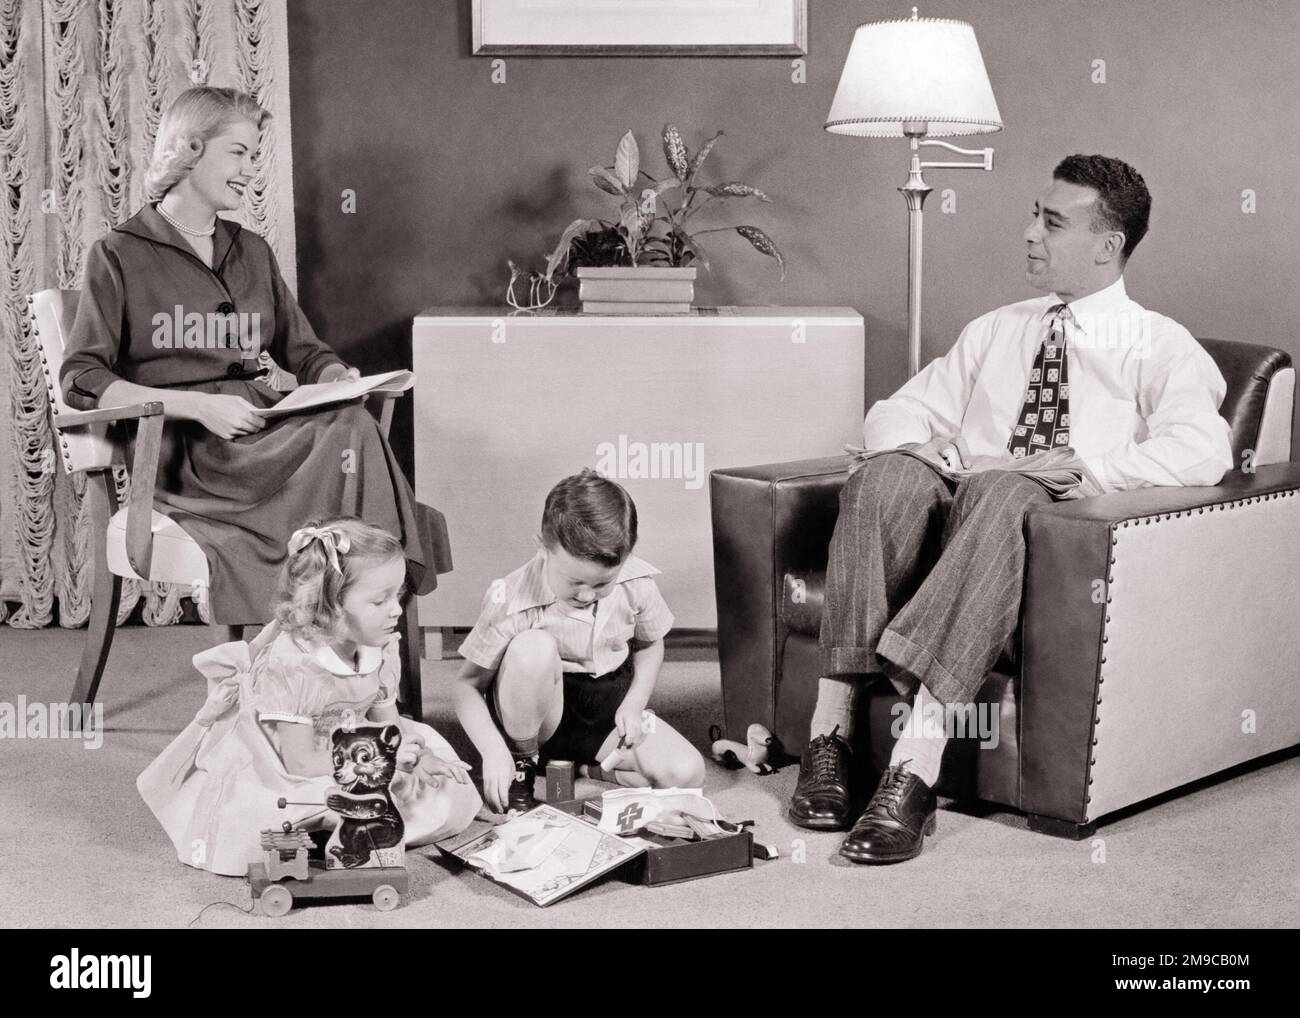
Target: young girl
329,659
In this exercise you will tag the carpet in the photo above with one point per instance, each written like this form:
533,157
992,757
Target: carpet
80,849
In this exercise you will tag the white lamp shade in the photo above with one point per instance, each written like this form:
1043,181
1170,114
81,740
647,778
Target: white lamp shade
925,69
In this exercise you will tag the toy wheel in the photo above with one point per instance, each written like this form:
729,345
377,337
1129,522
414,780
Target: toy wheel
385,897
276,901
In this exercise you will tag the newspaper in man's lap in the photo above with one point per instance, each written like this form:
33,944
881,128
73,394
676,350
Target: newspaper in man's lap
1057,471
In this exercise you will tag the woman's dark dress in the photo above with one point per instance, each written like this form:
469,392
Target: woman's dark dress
242,498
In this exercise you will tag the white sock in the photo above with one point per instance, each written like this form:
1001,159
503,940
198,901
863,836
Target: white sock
837,701
921,745
628,779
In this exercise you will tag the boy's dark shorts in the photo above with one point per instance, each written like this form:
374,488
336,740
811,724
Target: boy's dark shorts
590,702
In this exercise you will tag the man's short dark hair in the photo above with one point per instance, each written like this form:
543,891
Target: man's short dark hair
590,517
1123,201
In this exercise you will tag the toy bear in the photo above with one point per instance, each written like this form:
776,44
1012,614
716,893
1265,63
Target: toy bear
370,830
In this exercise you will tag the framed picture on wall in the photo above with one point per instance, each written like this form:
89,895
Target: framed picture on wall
640,27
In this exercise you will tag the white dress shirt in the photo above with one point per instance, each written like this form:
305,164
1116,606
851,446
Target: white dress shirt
1144,395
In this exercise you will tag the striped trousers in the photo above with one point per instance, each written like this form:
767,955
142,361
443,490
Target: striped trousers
925,575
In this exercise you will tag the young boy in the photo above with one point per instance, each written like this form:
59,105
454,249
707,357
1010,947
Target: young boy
565,654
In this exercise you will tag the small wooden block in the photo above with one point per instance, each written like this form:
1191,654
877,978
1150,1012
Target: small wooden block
559,781
574,807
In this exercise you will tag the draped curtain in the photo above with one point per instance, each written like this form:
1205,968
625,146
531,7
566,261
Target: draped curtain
83,85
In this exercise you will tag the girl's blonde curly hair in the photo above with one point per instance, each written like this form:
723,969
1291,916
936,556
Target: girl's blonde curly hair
311,590
195,117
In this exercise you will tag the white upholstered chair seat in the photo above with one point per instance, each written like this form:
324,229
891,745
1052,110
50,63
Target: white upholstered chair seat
177,557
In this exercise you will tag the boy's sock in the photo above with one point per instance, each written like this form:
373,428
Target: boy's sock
837,701
628,779
921,745
596,773
521,748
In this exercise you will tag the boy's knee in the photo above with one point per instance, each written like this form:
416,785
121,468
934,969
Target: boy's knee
685,771
534,652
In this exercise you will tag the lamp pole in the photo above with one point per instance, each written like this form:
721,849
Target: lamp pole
914,192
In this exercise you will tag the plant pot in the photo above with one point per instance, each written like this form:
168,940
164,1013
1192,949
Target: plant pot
636,290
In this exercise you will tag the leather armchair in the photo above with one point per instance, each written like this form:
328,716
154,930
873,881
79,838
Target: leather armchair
1167,650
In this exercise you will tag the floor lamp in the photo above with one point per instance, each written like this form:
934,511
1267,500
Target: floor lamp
919,79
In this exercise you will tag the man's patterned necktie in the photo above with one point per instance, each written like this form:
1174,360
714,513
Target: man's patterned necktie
1044,421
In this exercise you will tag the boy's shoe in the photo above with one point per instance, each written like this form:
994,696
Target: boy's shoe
521,797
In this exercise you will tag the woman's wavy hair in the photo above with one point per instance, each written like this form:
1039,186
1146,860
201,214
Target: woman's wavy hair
195,117
311,590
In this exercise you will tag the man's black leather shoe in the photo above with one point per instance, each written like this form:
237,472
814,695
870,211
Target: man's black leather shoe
821,796
894,825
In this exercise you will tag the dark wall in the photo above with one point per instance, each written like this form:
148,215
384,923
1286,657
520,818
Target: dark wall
454,174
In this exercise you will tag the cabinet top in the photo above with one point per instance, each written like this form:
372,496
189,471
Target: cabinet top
698,316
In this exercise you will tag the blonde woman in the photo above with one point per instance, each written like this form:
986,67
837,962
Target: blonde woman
176,306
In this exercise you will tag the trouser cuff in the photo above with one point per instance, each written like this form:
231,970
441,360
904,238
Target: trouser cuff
921,666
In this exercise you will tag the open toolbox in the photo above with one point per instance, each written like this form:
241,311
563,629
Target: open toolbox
670,860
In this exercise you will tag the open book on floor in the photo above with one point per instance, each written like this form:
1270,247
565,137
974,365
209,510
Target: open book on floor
1053,470
542,855
306,397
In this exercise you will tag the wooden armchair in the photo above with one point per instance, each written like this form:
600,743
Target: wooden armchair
134,540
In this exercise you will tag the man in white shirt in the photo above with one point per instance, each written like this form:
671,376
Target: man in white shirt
925,572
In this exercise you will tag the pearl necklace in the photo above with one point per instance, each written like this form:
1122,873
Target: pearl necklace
185,229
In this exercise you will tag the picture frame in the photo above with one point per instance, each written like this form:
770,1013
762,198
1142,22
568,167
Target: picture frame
640,27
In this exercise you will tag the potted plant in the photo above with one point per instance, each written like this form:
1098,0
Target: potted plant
646,259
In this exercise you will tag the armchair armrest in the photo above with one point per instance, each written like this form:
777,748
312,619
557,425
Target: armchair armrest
1177,574
386,400
139,506
767,520
104,415
1140,502
144,470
